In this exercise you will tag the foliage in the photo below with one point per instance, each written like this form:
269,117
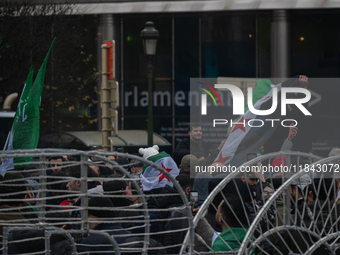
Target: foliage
26,32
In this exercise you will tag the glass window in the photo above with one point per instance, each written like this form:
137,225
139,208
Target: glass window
315,39
228,45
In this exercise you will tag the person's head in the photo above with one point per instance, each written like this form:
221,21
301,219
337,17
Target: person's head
335,152
13,183
137,166
185,182
99,208
195,131
115,189
56,163
189,162
298,186
31,171
96,148
75,185
323,189
123,162
277,166
250,179
57,216
104,171
113,158
231,213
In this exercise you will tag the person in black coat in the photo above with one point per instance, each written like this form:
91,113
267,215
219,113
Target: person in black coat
195,138
117,188
30,242
96,243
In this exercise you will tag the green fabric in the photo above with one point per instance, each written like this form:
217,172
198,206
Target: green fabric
228,236
26,125
262,88
155,158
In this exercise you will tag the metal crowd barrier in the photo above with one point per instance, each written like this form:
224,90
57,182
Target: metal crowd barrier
259,221
280,223
134,217
313,226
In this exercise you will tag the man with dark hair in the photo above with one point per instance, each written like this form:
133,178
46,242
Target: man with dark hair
320,214
95,243
32,240
57,187
116,189
96,148
195,138
74,171
232,219
178,218
185,182
137,166
56,163
75,187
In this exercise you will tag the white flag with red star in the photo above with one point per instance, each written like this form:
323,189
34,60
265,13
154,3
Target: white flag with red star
151,178
252,131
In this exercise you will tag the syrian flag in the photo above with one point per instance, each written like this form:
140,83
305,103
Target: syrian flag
151,178
244,139
25,129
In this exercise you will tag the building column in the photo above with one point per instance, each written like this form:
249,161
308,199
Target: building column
280,45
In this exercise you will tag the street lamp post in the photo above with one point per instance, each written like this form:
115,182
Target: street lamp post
149,35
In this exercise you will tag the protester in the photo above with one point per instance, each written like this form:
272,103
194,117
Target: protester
153,179
57,188
56,163
178,219
11,214
231,218
195,138
74,200
116,189
33,240
95,243
188,164
137,167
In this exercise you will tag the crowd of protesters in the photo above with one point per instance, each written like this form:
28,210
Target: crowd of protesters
228,217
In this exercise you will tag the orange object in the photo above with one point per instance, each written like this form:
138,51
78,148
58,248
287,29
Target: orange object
110,58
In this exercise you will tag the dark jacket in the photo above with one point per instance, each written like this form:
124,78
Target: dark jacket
183,148
123,202
317,221
59,245
15,215
90,244
183,145
201,183
164,202
173,237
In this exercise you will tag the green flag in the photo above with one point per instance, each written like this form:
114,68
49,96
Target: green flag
262,88
26,125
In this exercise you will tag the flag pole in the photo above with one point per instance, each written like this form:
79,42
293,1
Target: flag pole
6,143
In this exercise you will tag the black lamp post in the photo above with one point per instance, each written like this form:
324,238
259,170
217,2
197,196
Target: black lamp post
149,35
